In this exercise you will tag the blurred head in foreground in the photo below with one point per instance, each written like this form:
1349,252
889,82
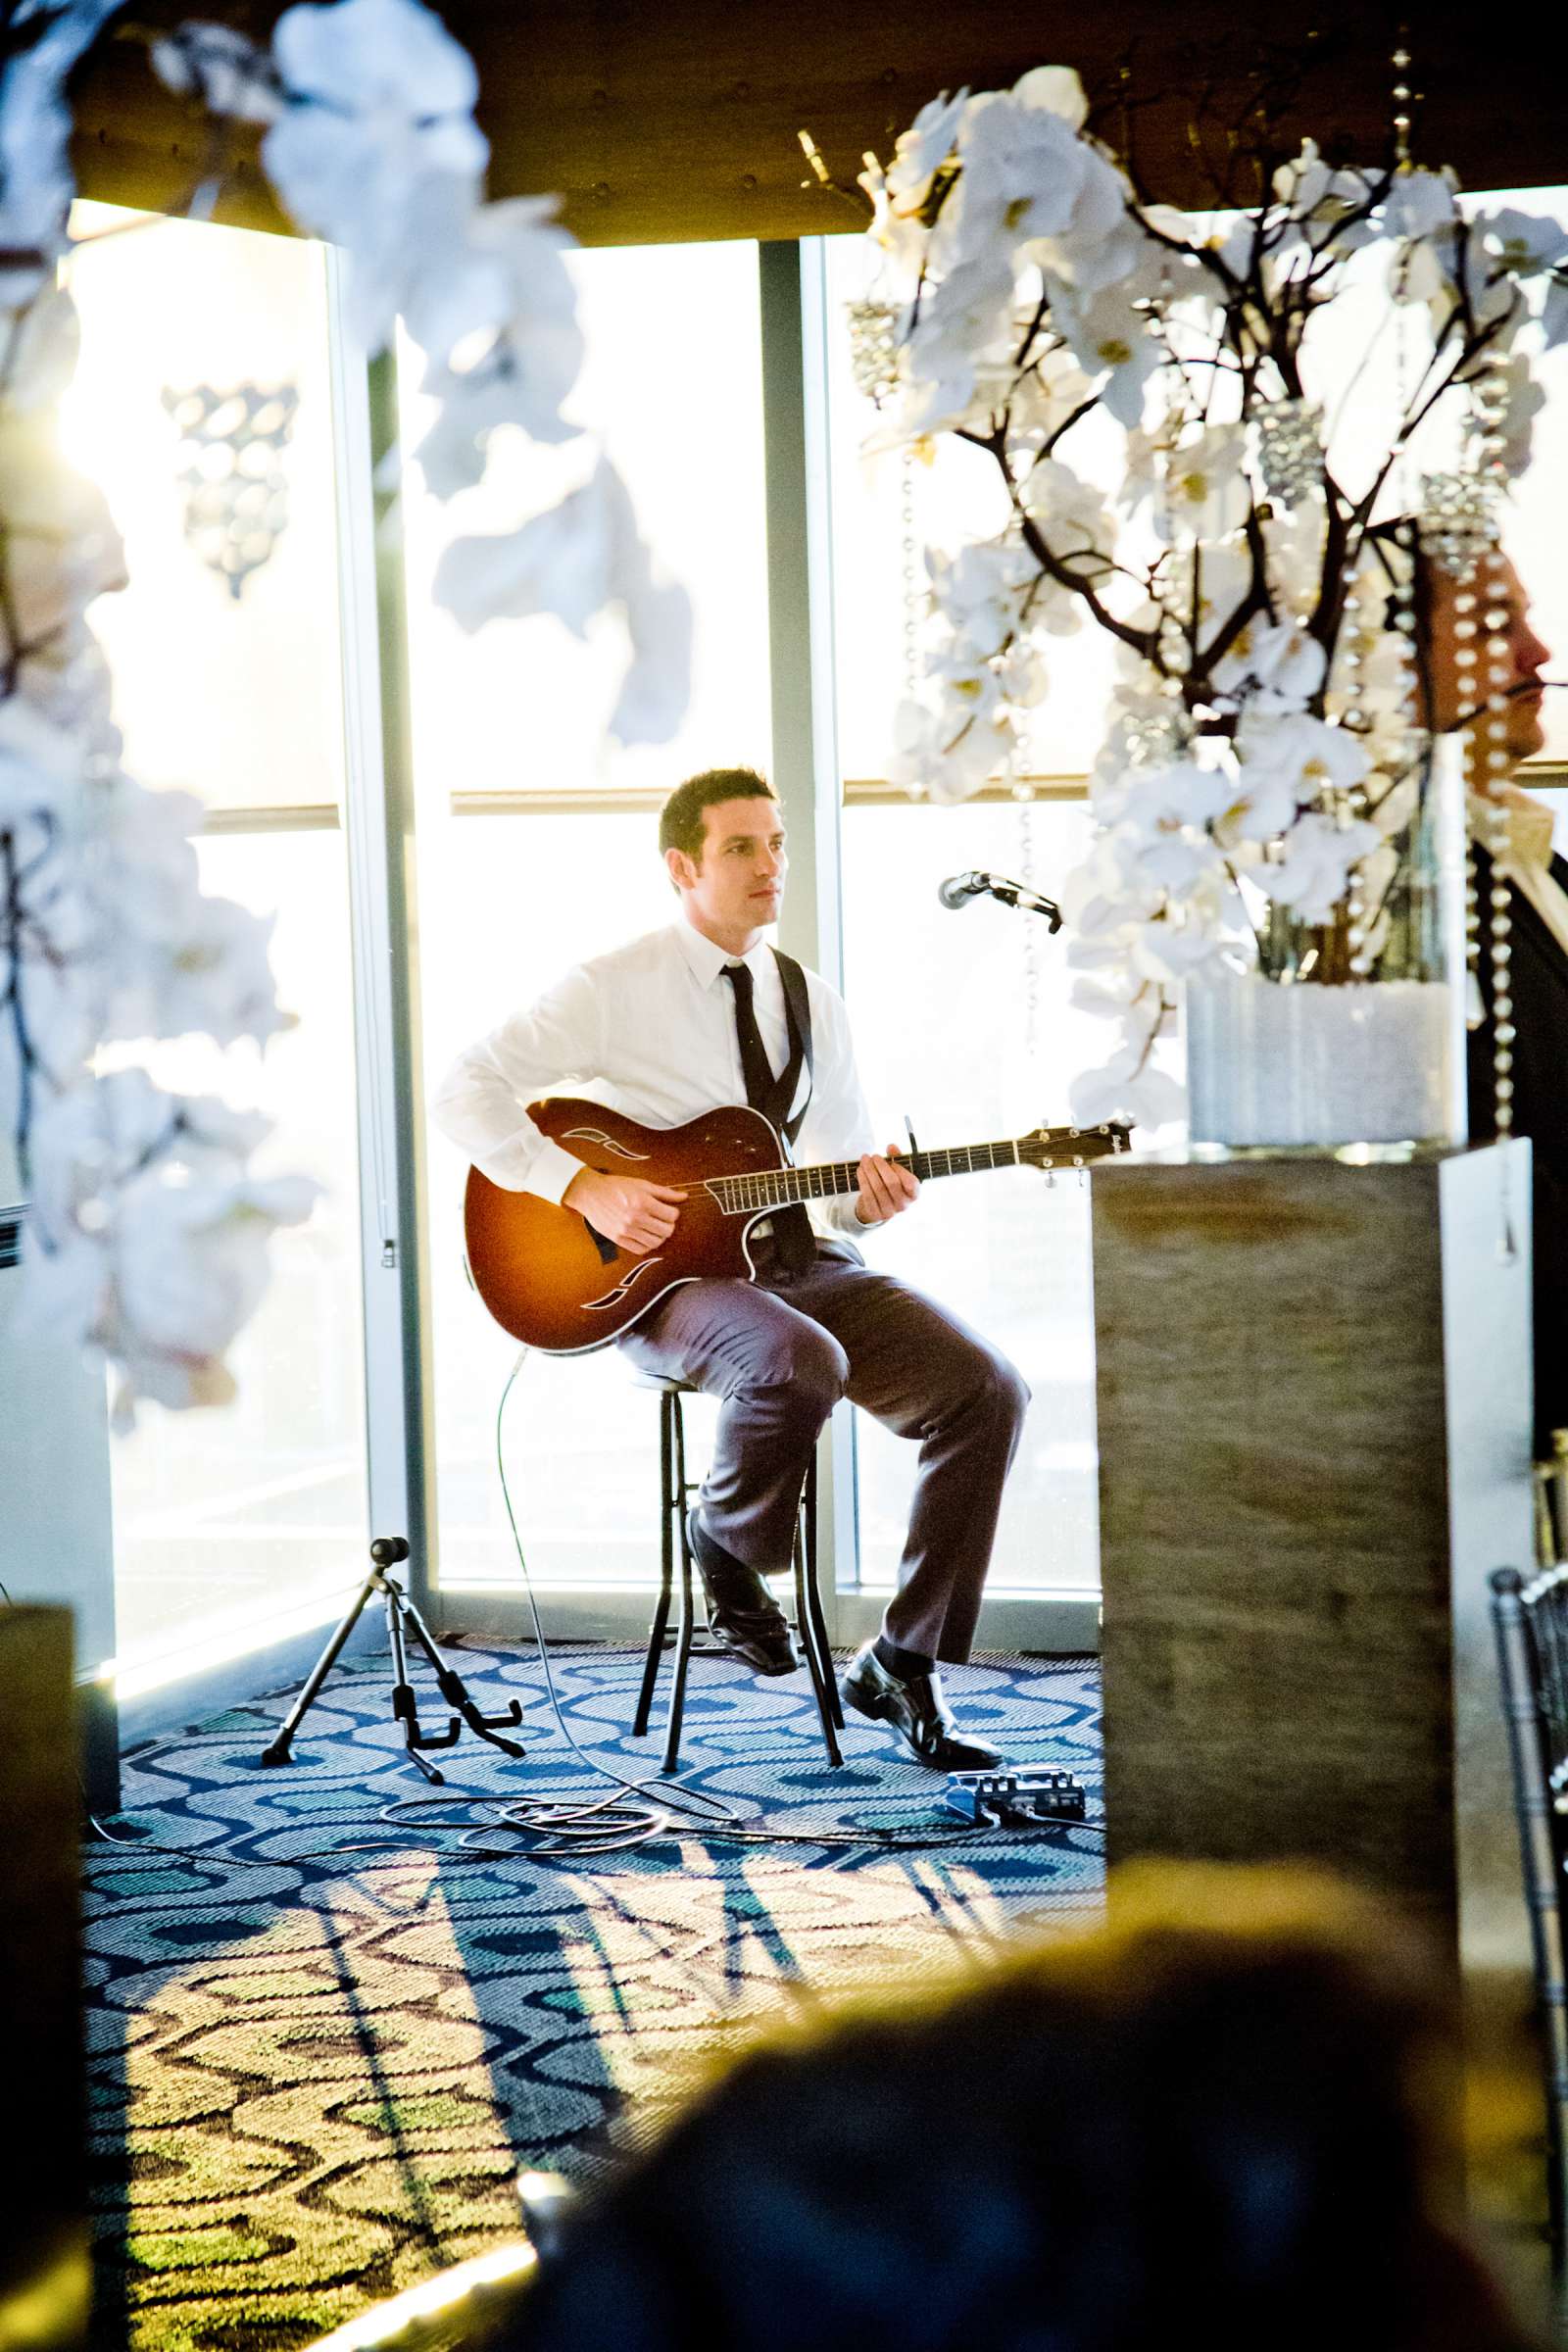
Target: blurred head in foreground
1226,2115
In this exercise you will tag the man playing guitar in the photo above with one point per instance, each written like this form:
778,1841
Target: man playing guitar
703,1014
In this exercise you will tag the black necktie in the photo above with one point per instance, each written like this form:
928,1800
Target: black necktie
792,1227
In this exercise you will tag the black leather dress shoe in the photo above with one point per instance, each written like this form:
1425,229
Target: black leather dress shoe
918,1710
742,1613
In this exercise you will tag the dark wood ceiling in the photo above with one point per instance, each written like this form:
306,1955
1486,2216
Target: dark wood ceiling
678,119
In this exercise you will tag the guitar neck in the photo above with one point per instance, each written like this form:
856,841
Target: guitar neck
779,1188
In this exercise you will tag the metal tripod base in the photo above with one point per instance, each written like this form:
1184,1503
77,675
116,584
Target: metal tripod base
402,1619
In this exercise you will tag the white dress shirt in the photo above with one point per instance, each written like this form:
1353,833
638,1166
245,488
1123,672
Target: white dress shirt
649,1030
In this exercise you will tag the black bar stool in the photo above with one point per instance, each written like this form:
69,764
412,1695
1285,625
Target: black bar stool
675,1496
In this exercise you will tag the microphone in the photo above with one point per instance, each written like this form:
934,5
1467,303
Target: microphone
958,889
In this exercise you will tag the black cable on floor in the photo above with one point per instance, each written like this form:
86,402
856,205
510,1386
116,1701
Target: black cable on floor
560,1825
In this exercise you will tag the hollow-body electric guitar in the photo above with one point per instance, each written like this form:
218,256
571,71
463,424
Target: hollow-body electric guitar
551,1281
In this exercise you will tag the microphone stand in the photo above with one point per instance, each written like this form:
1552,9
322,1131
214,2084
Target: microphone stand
957,890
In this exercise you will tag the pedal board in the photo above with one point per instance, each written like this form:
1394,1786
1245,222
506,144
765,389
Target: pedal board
1018,1799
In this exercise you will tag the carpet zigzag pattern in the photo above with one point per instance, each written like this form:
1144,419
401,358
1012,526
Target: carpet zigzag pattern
322,2043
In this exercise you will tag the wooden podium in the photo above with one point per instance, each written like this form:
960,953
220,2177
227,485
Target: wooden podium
1314,1445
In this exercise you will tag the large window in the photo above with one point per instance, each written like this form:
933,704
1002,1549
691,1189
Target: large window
961,1020
536,847
537,844
228,1521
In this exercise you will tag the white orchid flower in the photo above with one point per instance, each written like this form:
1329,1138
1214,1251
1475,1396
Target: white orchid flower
40,767
1312,756
1024,170
1071,512
1554,310
1224,577
1102,245
377,57
657,688
1205,495
976,593
1108,994
44,341
36,129
1101,898
1418,204
1523,400
222,68
1057,90
1169,953
1522,243
1453,269
573,561
558,563
1024,678
148,1237
1162,828
1315,870
967,690
921,150
964,320
1263,804
1278,664
961,750
1323,204
61,547
521,288
377,150
204,971
1112,344
1128,1086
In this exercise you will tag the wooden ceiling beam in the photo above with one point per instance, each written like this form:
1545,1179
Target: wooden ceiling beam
680,123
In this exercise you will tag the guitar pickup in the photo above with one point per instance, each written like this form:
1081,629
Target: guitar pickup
1017,1798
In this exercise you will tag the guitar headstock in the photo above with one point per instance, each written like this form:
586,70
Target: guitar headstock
1074,1146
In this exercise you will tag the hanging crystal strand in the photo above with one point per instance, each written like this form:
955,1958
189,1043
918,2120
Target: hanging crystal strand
1354,719
1403,97
874,368
1494,621
909,583
1465,628
1030,926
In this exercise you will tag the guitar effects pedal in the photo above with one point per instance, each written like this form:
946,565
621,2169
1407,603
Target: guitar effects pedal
1018,1799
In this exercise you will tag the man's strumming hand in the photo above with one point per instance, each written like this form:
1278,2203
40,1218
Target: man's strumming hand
887,1187
626,1209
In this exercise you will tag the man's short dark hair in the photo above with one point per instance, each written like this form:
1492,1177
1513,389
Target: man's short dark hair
681,819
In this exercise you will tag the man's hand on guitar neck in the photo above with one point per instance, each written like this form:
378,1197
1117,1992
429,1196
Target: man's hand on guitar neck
887,1187
626,1209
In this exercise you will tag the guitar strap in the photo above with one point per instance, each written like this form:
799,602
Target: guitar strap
798,1014
792,1228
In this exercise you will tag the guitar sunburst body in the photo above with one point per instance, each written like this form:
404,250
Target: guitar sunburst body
550,1280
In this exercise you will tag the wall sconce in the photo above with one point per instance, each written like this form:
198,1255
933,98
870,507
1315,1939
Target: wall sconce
231,471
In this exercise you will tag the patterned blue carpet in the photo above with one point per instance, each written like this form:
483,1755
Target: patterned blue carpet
322,2043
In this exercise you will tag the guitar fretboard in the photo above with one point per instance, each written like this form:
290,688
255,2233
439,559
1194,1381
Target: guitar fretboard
779,1188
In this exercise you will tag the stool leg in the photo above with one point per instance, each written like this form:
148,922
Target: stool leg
814,1597
683,1633
821,1681
669,1501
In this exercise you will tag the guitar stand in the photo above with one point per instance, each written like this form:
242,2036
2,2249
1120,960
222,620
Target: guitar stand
402,1618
